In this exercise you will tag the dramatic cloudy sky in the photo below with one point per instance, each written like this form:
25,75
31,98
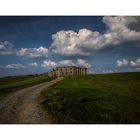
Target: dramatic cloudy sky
31,45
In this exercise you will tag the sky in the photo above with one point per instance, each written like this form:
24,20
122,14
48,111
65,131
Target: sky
37,44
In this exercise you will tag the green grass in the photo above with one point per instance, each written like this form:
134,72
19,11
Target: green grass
10,84
95,99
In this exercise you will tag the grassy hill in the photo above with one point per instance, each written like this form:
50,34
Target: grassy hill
9,84
95,99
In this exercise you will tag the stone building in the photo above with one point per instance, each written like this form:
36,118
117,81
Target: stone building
67,70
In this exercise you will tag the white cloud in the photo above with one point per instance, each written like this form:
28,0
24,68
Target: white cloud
78,62
6,48
66,63
2,46
83,63
123,62
118,28
15,66
33,52
135,63
85,41
34,64
49,64
71,43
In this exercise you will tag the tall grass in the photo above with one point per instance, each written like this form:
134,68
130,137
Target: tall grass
9,84
95,99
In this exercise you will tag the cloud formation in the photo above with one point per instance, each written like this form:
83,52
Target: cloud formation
79,62
135,63
118,28
34,64
33,52
15,66
84,42
48,64
122,63
132,64
83,63
6,48
66,63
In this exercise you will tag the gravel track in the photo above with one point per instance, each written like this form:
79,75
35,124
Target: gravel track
23,106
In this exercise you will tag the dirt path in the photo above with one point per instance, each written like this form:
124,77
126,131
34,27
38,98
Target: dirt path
23,107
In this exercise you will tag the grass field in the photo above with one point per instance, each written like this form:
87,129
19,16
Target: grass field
9,84
95,99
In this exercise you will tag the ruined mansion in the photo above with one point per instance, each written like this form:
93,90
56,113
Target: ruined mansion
67,70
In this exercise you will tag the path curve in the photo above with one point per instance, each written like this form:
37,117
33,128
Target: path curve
23,107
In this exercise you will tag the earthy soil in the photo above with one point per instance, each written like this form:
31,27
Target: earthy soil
24,107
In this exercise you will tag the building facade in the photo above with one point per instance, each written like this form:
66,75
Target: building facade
67,70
